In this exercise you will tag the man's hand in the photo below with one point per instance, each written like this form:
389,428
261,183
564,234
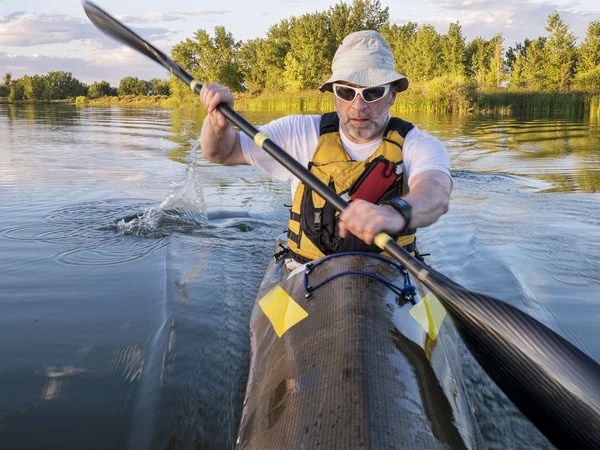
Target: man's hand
220,143
366,220
211,95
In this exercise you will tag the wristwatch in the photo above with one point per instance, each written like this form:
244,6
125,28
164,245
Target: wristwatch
403,207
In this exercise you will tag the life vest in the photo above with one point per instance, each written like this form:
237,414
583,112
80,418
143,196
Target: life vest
313,225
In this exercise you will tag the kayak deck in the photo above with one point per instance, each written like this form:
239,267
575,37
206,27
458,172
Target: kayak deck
350,365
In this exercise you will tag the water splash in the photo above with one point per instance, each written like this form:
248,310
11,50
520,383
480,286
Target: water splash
182,211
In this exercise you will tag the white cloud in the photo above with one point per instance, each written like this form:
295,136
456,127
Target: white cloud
20,29
167,17
515,19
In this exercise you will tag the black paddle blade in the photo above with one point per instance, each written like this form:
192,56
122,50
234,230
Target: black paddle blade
115,29
552,382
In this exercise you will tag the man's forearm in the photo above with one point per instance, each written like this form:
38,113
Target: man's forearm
217,147
429,200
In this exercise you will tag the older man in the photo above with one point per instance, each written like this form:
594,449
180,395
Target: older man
396,177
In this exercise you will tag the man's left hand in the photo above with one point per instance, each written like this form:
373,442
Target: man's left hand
366,220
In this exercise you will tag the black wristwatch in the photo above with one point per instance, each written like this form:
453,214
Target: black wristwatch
403,207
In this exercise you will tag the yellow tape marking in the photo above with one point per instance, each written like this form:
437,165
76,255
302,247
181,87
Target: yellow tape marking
430,314
382,239
193,84
260,138
281,310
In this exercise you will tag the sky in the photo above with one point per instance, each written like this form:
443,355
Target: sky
38,37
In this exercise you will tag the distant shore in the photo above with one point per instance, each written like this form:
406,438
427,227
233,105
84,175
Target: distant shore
415,100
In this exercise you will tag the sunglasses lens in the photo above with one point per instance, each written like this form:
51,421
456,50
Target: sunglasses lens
345,93
373,94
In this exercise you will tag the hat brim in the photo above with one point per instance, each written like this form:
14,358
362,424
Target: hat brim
365,76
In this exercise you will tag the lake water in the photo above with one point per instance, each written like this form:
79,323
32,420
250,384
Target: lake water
134,333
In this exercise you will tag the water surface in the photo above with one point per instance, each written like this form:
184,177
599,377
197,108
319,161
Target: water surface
130,266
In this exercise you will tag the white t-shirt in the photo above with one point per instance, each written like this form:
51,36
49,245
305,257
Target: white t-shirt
298,136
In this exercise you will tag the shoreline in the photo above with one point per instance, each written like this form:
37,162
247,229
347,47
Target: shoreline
417,99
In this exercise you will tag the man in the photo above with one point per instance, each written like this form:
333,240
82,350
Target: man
360,145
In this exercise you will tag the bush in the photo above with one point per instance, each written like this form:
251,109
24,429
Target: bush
81,100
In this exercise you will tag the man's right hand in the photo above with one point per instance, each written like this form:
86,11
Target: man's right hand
220,143
211,95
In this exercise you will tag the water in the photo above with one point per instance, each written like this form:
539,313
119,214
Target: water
130,266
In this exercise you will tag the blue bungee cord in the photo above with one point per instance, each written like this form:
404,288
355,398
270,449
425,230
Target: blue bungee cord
408,291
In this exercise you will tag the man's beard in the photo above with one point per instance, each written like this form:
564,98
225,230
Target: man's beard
374,129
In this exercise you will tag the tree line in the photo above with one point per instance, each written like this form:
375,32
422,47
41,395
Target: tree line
62,85
296,54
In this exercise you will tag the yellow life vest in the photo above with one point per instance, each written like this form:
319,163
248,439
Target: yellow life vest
312,228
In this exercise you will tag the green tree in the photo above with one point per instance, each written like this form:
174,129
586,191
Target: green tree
101,89
211,59
479,53
589,50
560,53
159,87
61,85
453,50
34,88
534,73
495,75
424,55
128,86
307,65
400,38
17,91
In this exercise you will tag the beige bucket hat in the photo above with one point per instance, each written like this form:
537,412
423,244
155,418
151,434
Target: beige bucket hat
364,58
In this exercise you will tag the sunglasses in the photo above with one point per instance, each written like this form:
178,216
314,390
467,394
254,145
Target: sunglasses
368,94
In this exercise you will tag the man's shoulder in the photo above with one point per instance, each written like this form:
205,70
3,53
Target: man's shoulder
297,120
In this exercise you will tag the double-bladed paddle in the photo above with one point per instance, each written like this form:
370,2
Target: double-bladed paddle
551,381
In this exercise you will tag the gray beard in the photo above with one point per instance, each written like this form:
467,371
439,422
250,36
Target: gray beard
373,130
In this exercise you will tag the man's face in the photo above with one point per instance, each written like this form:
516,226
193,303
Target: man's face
362,121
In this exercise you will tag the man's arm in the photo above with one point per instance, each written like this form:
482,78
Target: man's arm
220,143
429,195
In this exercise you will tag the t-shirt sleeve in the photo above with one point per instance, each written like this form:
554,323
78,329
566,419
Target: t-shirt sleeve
424,152
295,134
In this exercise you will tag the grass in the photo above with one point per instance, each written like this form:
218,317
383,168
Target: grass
154,101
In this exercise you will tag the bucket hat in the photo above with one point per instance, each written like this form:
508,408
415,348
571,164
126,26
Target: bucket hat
364,58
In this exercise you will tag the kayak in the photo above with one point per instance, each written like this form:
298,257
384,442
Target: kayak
350,351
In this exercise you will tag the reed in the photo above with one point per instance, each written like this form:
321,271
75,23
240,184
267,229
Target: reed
540,103
154,101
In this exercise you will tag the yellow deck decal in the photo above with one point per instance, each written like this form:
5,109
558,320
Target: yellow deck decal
430,314
282,310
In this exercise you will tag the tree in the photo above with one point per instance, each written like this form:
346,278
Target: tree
454,49
159,87
17,91
101,89
560,53
424,55
478,55
307,65
534,73
589,50
495,74
212,59
61,85
128,86
400,38
34,88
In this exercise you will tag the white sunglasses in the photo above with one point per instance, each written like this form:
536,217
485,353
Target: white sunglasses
369,94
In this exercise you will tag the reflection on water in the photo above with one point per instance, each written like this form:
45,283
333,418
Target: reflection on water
130,266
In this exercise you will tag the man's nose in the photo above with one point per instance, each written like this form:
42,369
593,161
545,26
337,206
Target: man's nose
359,103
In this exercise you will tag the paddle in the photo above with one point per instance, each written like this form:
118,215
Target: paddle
552,382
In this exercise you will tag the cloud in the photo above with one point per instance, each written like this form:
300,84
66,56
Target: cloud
110,65
167,17
515,19
20,29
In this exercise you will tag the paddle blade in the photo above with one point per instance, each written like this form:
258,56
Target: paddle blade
115,29
551,381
